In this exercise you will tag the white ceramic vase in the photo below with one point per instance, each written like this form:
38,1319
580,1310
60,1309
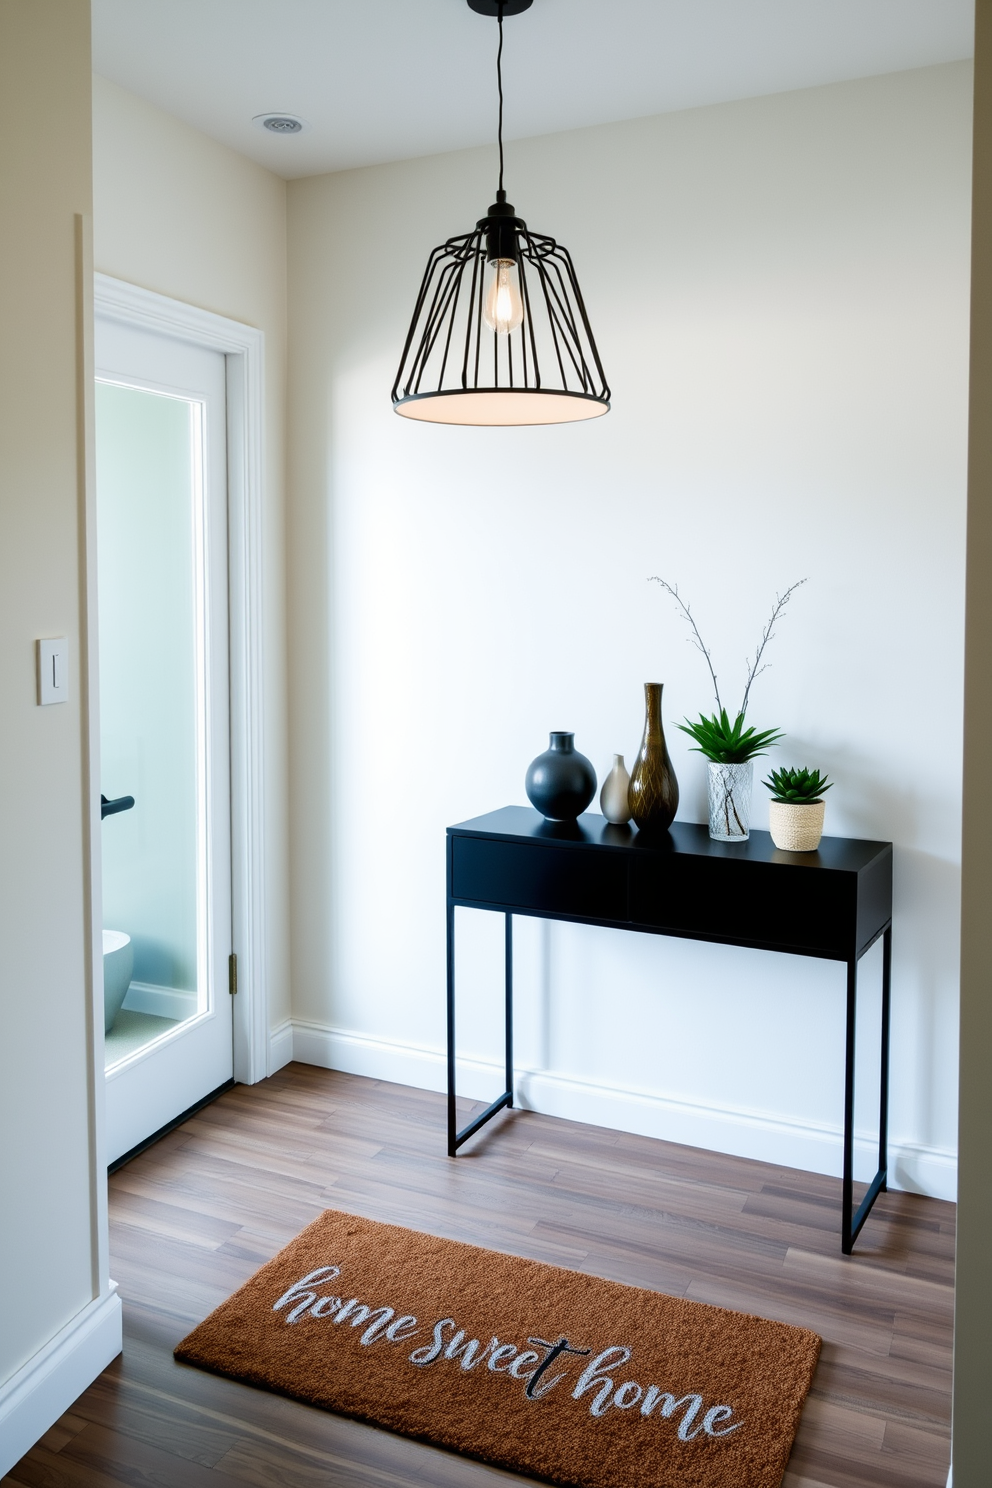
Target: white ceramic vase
613,799
796,827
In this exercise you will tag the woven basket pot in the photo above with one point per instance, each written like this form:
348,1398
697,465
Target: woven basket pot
796,828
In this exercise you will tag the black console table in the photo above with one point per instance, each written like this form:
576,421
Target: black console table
834,904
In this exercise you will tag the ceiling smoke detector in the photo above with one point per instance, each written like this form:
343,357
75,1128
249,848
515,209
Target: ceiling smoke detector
280,123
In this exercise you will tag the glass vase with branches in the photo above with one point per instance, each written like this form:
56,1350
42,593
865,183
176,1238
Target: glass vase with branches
727,742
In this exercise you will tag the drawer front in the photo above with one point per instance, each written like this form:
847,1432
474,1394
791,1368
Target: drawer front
733,900
544,880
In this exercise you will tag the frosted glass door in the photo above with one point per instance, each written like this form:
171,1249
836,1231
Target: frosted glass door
150,718
162,587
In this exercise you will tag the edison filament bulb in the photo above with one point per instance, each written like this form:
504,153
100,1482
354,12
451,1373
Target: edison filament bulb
504,307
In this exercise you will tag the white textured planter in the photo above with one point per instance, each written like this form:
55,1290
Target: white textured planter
795,827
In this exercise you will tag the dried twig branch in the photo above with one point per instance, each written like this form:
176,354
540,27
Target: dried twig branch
781,600
755,670
696,638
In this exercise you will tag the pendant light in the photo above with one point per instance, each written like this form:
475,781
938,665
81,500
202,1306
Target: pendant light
500,333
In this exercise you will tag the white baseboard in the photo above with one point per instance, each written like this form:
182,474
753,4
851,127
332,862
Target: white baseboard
164,1002
281,1046
740,1131
47,1385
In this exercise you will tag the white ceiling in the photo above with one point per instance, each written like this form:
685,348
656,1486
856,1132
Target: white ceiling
385,80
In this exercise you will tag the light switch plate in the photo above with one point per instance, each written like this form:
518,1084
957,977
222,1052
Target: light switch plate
53,670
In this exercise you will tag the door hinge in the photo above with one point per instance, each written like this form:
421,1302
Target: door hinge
232,973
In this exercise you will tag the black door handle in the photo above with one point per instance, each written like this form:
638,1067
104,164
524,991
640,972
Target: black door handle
111,808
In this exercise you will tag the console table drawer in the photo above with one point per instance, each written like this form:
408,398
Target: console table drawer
542,880
753,903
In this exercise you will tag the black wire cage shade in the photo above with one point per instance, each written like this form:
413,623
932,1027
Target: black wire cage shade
500,333
456,369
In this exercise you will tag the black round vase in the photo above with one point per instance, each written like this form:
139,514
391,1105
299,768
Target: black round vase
561,782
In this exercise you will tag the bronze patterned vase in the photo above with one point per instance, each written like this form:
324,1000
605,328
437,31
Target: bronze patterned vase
654,791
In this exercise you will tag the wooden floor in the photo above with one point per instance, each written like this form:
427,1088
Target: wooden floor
196,1214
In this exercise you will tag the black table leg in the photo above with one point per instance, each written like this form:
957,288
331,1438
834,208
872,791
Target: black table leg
508,1014
452,1119
847,1203
456,1137
851,1222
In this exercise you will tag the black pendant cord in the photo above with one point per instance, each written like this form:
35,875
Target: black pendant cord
499,85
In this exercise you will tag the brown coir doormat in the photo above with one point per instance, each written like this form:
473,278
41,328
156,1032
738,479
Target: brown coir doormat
543,1371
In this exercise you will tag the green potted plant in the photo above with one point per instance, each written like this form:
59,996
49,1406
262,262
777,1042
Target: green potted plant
730,747
795,812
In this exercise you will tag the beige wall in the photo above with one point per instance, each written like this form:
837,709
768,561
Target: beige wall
973,1320
50,1253
180,214
779,289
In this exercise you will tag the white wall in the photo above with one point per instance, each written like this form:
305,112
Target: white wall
780,292
179,213
59,1319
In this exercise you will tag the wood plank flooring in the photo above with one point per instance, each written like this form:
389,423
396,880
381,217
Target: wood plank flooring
195,1215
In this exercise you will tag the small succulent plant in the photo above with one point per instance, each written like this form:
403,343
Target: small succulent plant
727,743
797,787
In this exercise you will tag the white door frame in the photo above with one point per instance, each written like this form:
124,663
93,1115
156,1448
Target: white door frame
243,348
